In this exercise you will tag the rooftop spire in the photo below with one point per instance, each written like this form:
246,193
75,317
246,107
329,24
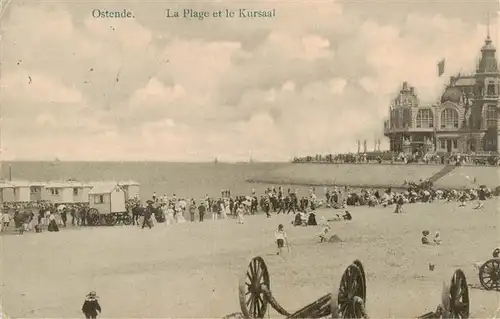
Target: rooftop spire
488,27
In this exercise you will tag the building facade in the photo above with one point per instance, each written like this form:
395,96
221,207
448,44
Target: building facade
465,121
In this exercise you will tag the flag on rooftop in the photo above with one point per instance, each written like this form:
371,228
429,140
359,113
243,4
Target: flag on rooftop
441,67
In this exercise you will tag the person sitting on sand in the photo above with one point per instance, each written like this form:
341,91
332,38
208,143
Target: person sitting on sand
425,240
281,239
311,221
347,215
91,307
437,239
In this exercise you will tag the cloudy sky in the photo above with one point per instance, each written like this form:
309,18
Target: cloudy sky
314,79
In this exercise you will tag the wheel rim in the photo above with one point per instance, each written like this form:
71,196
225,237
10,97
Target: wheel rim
350,291
459,296
489,275
253,300
362,269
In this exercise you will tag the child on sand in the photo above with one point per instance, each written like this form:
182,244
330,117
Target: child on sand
281,239
437,239
323,235
91,307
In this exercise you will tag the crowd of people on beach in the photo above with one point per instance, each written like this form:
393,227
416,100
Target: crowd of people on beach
402,158
275,200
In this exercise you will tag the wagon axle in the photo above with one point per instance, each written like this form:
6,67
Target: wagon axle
346,301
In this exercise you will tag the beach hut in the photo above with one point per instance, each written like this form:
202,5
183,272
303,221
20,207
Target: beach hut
81,192
107,198
21,191
36,191
131,189
6,192
58,192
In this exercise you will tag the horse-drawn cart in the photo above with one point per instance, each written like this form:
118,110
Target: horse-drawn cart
107,205
348,299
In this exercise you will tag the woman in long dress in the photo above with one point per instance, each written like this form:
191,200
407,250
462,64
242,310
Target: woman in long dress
240,211
223,209
180,216
169,219
53,224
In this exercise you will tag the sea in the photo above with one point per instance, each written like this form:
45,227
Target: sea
188,180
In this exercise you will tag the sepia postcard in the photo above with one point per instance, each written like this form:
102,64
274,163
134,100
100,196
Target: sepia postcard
249,159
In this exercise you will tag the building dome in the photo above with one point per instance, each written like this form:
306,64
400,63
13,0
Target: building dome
488,45
451,94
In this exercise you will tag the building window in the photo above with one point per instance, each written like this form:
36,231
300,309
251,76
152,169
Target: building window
424,118
491,116
407,118
99,199
455,144
491,89
443,144
54,191
449,118
75,191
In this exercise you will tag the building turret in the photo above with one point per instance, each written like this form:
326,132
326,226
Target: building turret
488,62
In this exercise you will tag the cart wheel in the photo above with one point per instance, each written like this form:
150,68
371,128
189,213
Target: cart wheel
253,301
358,263
455,297
111,219
94,217
348,301
489,275
126,219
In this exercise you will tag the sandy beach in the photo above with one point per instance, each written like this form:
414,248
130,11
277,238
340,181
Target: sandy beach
191,270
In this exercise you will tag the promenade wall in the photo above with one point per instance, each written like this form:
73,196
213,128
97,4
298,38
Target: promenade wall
378,175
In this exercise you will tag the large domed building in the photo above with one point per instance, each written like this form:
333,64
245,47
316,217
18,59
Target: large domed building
465,120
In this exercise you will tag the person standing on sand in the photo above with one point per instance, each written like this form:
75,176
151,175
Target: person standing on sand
201,210
169,215
240,211
18,221
215,211
192,209
147,216
91,307
281,239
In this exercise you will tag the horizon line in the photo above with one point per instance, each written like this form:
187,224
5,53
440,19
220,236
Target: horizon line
143,161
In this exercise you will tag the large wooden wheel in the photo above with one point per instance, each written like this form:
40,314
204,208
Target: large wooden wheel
94,216
489,275
253,300
455,297
348,301
111,219
358,263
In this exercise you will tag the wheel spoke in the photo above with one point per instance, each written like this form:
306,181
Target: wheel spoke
255,308
249,301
